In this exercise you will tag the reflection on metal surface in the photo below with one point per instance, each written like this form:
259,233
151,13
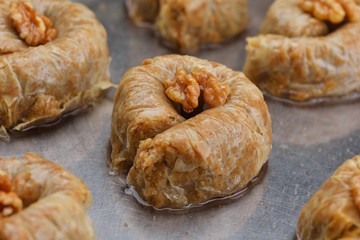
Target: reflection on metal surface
314,125
31,129
352,98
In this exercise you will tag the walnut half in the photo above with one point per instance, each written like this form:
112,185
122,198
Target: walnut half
10,203
215,94
335,11
185,89
34,28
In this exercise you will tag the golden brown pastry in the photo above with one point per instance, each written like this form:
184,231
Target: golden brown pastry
333,212
67,70
307,54
187,24
41,200
176,162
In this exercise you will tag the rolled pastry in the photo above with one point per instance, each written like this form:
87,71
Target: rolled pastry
41,200
176,162
304,59
333,212
40,84
185,25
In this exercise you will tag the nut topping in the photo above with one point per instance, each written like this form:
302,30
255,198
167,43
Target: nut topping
335,11
5,183
33,27
215,94
185,89
10,203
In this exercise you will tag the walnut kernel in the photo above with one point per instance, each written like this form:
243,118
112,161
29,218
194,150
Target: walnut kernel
10,203
335,11
185,89
215,94
34,28
5,183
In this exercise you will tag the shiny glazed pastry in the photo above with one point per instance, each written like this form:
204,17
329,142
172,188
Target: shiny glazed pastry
333,212
186,25
177,162
49,66
41,200
307,53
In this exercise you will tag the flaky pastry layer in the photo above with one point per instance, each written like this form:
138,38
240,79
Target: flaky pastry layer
177,162
333,211
40,84
54,200
300,58
188,24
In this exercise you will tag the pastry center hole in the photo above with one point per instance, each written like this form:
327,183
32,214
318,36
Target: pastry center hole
199,109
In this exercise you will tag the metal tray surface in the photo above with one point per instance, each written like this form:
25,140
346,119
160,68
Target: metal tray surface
308,145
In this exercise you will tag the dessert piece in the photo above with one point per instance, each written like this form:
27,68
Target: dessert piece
143,11
333,212
54,59
308,51
185,25
41,200
177,160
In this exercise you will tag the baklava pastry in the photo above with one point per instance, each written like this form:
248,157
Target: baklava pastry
54,59
189,130
185,25
41,200
308,51
333,212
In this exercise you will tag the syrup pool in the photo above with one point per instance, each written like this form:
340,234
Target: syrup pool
130,190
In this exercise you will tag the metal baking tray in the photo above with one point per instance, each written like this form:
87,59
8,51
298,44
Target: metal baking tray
308,145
